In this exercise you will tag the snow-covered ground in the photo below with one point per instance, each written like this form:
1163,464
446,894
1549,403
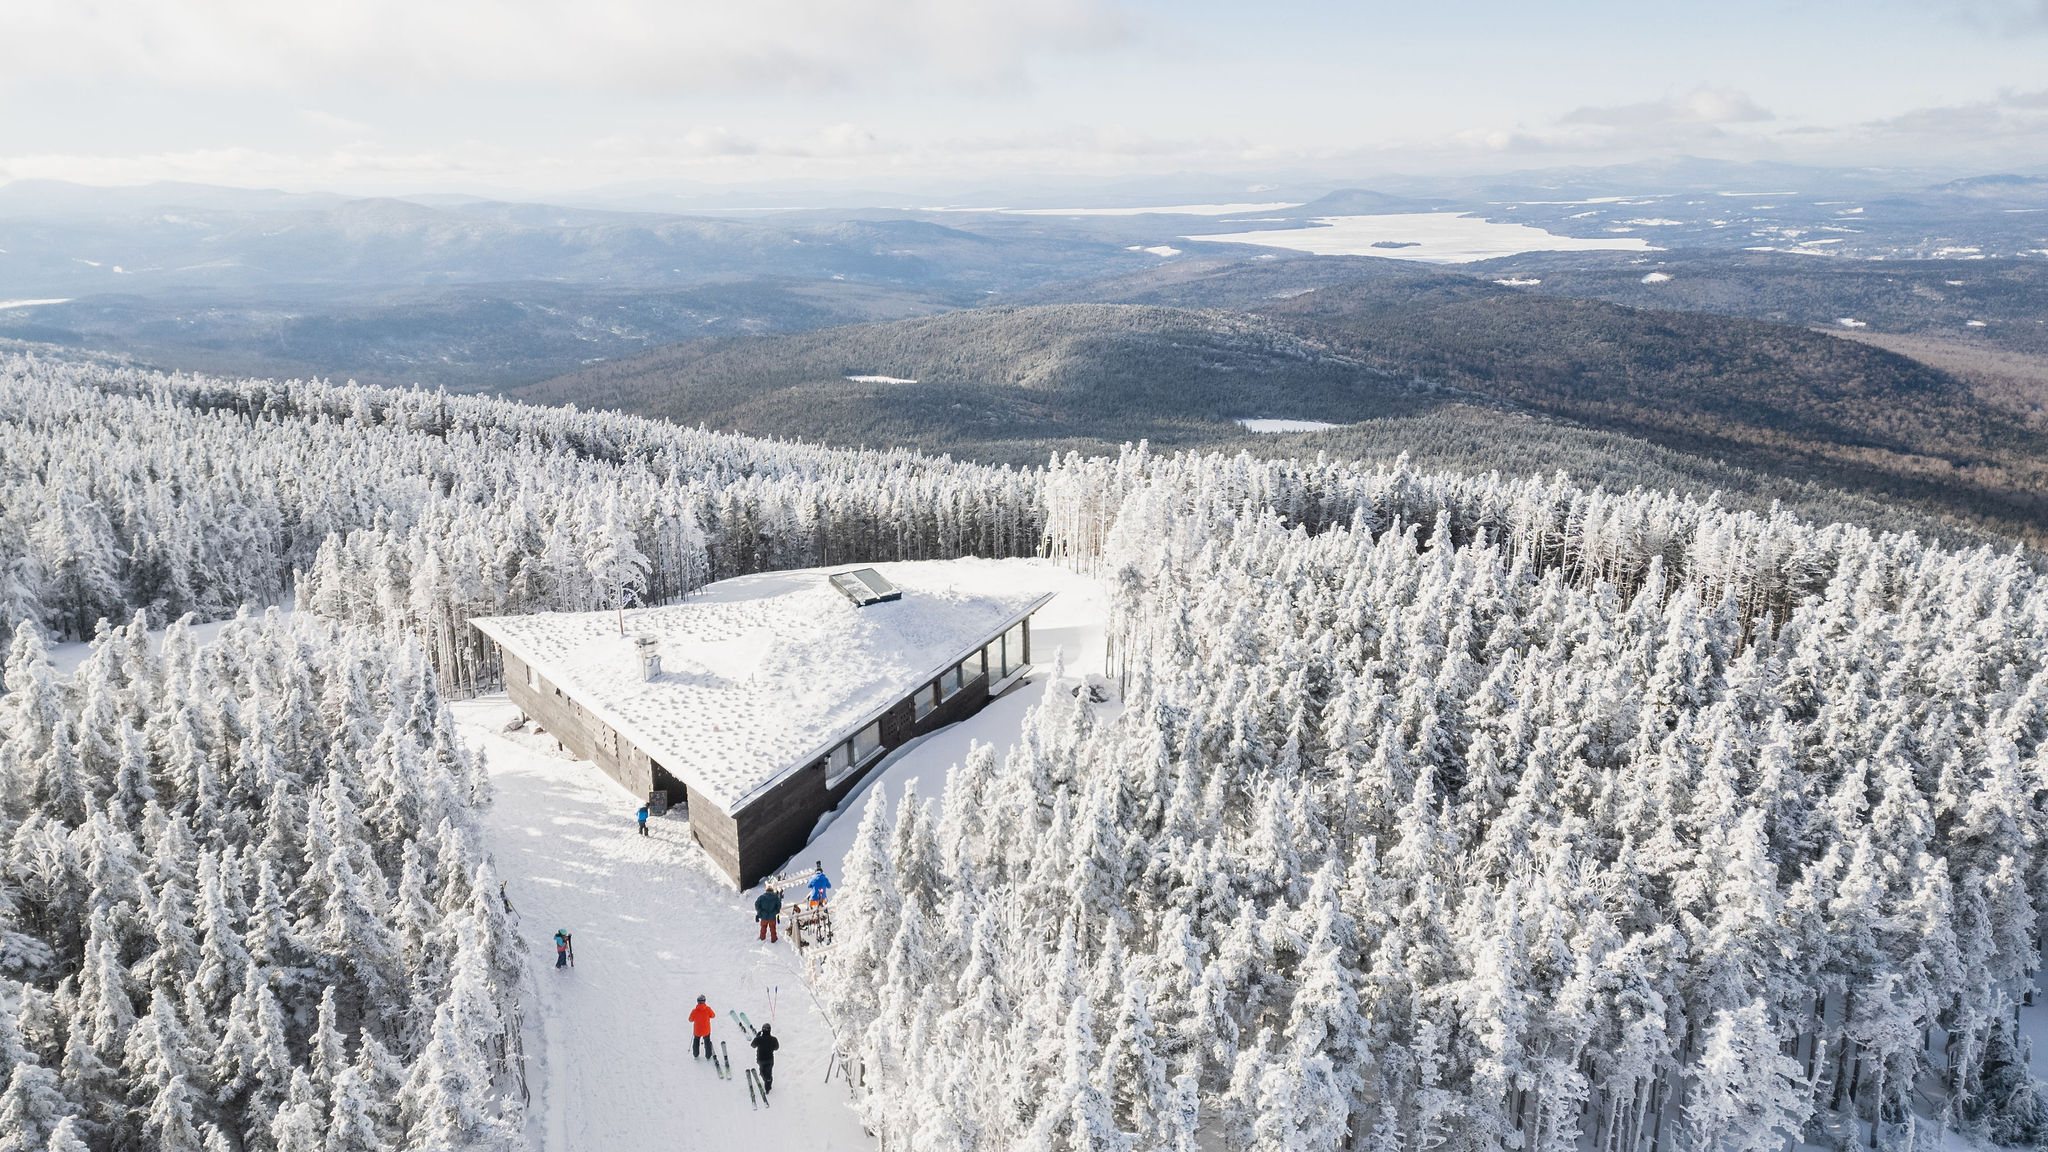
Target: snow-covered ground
1436,237
1156,210
66,657
656,925
1285,425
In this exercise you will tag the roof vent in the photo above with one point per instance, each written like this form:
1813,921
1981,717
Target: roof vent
865,586
650,659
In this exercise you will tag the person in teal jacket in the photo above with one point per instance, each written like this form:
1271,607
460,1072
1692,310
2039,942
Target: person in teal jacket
767,906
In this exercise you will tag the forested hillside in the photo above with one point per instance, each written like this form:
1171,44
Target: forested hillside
1769,395
410,512
1343,341
1460,813
243,904
1001,384
1481,439
1897,297
1437,810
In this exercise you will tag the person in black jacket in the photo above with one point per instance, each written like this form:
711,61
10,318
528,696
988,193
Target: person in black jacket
767,906
765,1045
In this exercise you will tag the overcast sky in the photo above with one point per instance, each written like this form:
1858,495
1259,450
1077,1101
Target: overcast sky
556,95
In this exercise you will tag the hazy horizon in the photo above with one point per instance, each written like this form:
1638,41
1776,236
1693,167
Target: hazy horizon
553,99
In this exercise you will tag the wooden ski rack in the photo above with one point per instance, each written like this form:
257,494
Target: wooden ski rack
808,927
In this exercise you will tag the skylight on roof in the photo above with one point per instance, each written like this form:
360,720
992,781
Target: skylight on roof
865,586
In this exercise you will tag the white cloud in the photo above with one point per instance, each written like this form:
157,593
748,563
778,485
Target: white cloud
2006,17
1699,107
353,166
329,122
655,46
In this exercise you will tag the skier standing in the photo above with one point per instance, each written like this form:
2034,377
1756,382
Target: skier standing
821,886
643,819
767,906
561,947
700,1024
765,1045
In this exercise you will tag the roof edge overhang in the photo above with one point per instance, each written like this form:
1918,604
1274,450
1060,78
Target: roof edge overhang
845,732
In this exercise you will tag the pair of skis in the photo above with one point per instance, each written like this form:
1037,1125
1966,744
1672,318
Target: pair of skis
757,1091
722,1067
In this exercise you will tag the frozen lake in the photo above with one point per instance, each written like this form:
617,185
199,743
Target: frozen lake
1285,425
1436,237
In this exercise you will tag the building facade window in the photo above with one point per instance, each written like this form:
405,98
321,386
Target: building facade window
949,683
1013,645
854,754
925,700
867,743
974,667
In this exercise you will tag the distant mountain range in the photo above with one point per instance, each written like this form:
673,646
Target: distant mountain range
1006,335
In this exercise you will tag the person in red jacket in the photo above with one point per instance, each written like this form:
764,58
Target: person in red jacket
700,1023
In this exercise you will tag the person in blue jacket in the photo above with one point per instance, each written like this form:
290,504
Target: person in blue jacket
643,819
821,886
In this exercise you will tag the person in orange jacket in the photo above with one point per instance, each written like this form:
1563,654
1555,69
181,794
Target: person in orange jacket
700,1023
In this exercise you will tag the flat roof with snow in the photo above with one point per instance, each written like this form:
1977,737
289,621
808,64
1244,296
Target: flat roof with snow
761,675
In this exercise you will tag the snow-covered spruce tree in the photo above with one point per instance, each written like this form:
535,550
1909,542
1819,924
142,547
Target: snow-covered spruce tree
243,899
410,512
1456,813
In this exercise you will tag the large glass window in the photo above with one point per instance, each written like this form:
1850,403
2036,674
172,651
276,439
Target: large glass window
1013,649
838,763
925,700
867,743
974,667
949,683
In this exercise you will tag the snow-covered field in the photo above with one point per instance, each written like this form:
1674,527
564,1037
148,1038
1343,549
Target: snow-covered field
1285,425
70,654
656,925
1435,237
1164,210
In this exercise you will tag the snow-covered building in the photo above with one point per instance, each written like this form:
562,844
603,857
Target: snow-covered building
763,700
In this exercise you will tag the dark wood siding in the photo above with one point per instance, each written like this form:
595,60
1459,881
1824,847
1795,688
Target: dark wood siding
585,736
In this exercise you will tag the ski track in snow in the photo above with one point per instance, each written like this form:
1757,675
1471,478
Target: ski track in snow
655,925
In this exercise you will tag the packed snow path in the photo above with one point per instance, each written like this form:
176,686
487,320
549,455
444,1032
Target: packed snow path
655,927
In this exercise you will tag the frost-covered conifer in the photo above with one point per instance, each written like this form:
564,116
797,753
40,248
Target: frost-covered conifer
1463,813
